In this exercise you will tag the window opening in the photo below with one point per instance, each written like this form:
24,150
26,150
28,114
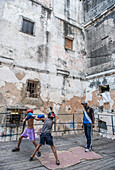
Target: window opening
103,89
15,116
32,88
68,44
27,26
102,124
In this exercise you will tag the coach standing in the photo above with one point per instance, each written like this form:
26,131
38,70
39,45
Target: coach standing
88,123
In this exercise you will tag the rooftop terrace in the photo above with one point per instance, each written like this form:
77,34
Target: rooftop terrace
20,160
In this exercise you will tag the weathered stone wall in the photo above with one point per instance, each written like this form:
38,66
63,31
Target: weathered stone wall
42,56
100,35
100,38
99,25
95,8
95,97
69,10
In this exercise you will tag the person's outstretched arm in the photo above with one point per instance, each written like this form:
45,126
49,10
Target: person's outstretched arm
42,119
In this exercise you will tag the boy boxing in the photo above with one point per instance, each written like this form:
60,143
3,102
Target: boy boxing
46,136
29,132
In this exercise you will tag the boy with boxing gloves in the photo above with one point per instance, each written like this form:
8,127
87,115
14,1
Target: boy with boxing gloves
29,131
46,136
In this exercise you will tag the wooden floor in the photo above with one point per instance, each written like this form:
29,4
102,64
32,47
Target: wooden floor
20,160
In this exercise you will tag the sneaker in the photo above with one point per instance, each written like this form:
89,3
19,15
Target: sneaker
15,150
85,146
90,148
58,163
31,158
87,150
38,154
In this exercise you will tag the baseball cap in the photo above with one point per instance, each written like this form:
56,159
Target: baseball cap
84,103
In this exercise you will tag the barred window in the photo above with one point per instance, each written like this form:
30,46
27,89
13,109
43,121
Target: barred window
15,115
32,88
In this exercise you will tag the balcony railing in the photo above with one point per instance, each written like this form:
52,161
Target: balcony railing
104,123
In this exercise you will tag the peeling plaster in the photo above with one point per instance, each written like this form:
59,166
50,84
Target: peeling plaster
20,75
93,95
45,51
12,94
2,83
9,76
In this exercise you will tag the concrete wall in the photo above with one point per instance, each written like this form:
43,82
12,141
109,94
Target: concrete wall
41,56
100,35
99,25
95,97
69,10
95,8
100,38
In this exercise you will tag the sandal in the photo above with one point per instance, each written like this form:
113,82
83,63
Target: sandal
15,150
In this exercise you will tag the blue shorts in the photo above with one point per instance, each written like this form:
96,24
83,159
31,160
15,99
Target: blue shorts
46,138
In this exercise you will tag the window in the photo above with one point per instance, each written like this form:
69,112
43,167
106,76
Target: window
15,119
102,89
27,26
32,88
102,124
15,115
68,44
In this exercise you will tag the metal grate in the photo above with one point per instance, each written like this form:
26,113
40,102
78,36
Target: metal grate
32,88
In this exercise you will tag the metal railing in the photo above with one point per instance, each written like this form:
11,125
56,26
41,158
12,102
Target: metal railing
63,123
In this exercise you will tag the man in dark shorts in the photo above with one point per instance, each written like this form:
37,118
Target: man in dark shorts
46,136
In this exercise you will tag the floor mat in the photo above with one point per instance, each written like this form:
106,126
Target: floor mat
67,158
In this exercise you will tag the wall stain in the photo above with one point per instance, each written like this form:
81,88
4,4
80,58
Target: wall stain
109,16
67,8
67,29
43,53
104,81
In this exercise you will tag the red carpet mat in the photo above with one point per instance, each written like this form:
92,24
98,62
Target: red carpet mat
67,158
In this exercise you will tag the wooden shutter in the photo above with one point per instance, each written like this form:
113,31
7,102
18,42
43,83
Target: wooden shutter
68,44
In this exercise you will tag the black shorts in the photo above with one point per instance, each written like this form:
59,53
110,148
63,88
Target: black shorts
46,138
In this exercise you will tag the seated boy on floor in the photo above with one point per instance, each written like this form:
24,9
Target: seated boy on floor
29,131
46,136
